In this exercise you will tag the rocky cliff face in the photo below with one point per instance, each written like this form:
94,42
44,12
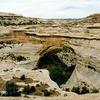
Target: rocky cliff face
68,69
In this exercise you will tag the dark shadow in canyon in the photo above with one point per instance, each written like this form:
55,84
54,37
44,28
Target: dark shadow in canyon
58,70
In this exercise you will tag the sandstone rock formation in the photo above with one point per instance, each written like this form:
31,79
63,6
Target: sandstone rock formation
73,69
62,54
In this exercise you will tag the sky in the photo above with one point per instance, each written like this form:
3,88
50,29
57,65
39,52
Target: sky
51,8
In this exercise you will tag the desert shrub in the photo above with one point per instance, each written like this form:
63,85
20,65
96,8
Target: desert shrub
11,89
29,89
84,90
51,92
80,90
94,90
37,85
22,77
76,90
20,58
32,89
65,95
46,93
15,57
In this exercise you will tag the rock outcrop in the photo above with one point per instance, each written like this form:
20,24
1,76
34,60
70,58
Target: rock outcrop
68,69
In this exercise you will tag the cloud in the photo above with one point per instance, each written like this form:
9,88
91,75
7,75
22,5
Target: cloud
51,8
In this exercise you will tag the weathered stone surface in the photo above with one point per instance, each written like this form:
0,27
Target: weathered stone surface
80,71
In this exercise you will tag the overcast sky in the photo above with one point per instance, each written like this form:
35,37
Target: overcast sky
51,8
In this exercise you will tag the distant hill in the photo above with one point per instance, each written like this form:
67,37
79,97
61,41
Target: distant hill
13,19
7,19
94,18
8,14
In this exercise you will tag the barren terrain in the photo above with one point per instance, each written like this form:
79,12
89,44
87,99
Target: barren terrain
58,59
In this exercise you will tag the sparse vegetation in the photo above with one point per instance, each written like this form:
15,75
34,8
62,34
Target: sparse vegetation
76,90
20,58
11,89
13,57
94,90
29,89
84,90
42,90
22,77
47,93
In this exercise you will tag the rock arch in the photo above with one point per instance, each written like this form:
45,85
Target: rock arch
60,61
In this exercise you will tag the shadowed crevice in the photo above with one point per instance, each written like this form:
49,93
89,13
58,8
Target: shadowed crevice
59,71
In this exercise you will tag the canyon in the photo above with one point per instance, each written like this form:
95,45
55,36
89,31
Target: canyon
59,57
